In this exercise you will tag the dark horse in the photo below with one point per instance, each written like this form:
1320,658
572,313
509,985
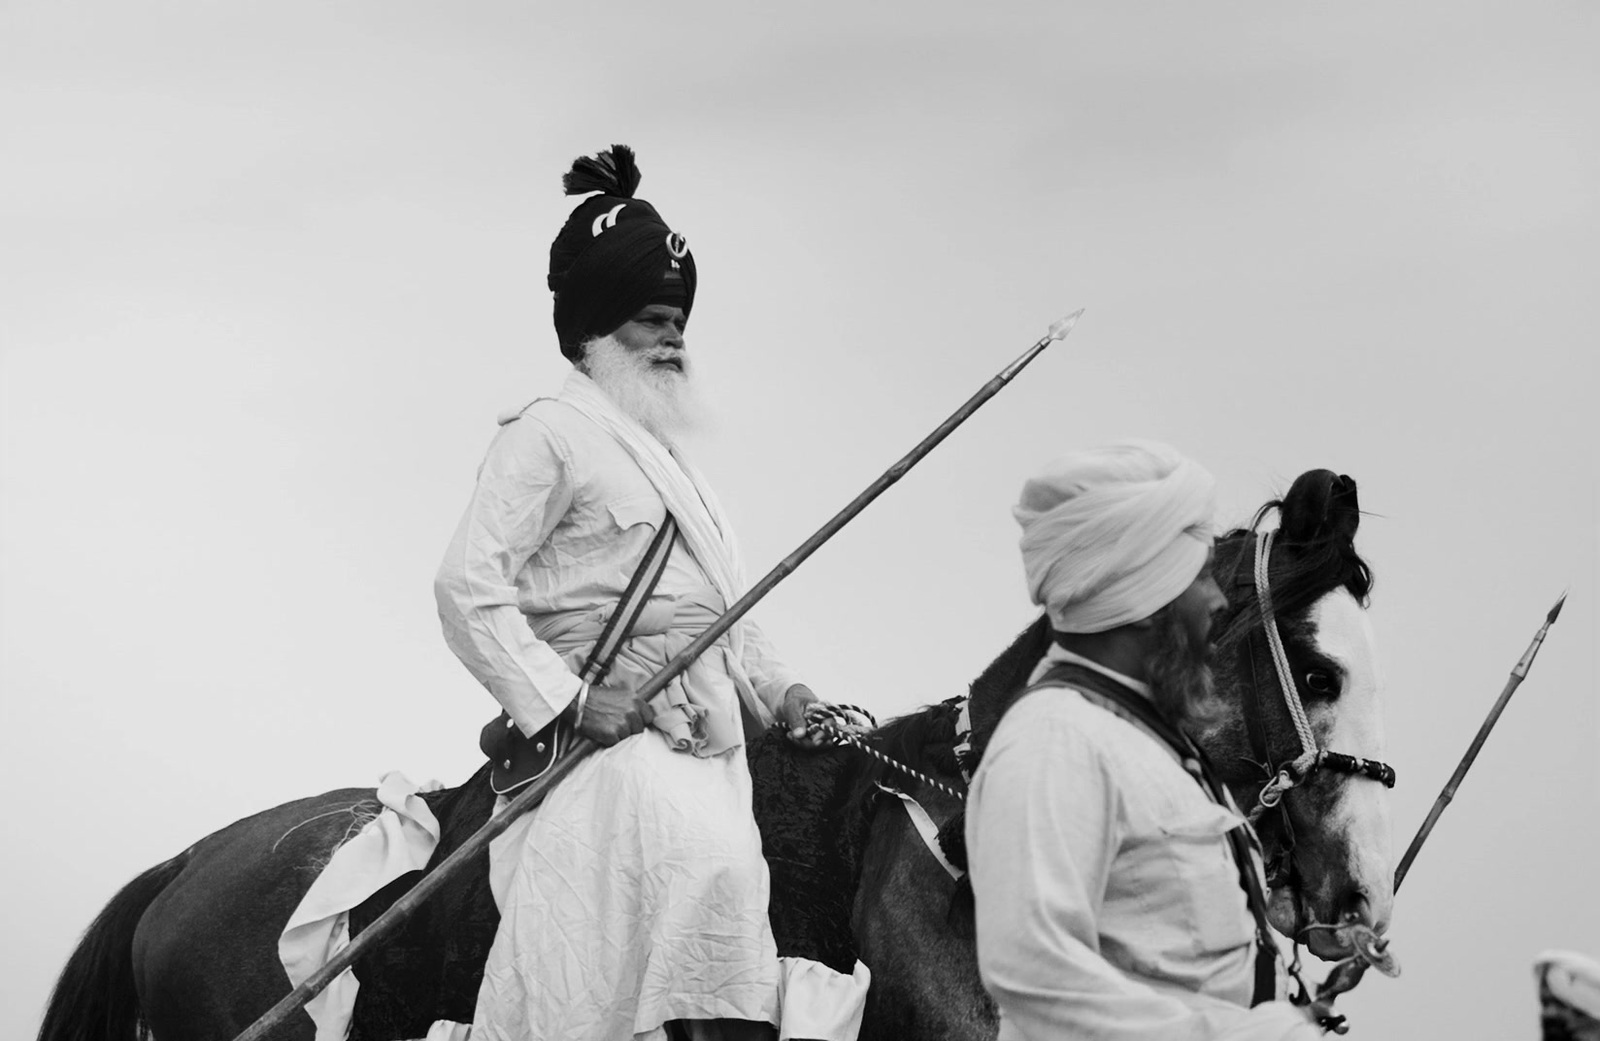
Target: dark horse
188,950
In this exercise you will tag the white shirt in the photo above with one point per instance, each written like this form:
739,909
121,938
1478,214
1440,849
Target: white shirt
1108,901
558,522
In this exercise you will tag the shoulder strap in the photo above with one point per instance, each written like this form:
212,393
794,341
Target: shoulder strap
1240,838
638,593
516,760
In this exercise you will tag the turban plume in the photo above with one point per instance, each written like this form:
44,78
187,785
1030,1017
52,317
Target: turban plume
1112,535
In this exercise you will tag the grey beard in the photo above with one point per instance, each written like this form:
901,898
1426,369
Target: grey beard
1179,672
664,402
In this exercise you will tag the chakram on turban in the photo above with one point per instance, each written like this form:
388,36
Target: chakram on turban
1112,535
615,255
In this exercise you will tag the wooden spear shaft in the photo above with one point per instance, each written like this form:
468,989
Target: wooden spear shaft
786,566
534,794
1518,674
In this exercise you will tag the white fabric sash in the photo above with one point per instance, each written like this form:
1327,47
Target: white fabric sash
399,839
689,499
691,721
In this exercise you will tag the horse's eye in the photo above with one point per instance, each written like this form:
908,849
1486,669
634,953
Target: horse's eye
1321,682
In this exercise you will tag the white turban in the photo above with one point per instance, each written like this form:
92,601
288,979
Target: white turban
1112,535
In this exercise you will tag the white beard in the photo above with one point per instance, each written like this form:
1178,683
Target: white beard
659,398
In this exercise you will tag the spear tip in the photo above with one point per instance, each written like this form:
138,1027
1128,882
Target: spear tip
1061,328
1555,611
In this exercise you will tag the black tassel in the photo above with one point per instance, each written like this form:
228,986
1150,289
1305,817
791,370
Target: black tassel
611,172
953,840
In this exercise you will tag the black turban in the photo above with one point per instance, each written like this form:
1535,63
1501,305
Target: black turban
615,255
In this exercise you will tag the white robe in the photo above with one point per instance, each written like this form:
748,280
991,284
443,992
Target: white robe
1108,901
636,894
559,519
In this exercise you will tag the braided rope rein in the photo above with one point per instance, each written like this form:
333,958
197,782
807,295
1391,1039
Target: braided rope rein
841,736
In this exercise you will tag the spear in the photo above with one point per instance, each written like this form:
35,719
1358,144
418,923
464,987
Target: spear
1371,948
535,792
1518,674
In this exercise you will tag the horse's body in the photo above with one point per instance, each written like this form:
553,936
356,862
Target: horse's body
188,950
236,883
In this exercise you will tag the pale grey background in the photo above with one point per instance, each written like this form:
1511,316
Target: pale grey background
269,272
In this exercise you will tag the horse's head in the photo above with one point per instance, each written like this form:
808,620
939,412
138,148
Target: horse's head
1327,842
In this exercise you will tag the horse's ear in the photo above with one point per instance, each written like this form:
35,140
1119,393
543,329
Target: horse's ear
1321,505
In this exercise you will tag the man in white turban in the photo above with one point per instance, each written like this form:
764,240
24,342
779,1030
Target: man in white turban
1111,872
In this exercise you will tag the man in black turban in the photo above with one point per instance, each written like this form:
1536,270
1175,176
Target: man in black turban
634,900
615,254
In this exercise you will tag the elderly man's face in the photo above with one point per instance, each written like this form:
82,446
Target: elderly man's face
1198,606
655,335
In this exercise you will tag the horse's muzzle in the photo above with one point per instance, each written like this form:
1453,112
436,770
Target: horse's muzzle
1331,941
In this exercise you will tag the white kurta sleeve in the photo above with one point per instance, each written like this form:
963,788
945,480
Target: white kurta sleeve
768,674
524,488
1044,823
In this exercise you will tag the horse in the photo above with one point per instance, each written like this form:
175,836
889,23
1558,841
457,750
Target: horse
1324,824
188,949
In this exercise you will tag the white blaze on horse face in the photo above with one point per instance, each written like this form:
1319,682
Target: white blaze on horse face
1353,724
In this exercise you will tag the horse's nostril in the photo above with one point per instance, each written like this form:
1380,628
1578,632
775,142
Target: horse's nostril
1357,909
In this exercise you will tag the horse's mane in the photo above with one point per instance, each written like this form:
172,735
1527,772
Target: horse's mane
1314,553
999,685
923,740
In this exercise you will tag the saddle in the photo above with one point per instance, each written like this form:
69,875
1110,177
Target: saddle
517,760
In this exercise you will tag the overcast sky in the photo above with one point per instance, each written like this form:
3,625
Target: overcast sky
268,272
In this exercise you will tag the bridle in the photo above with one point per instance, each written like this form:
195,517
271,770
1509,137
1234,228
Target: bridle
1282,776
1292,773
